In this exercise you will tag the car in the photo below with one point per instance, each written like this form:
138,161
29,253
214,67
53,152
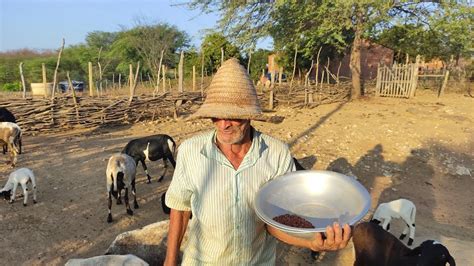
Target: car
268,75
77,85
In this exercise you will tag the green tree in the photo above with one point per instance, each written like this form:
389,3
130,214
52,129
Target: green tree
211,47
145,42
258,61
336,25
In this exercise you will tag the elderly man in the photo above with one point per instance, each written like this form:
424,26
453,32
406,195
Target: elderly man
217,176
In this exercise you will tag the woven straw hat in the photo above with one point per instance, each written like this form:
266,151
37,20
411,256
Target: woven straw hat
231,95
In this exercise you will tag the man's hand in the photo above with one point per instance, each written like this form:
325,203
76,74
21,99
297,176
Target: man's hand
336,238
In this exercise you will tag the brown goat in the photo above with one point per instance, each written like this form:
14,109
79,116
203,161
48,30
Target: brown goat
10,134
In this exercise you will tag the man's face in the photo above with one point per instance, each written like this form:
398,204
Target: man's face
231,131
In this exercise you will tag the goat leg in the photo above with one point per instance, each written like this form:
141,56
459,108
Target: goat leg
146,171
134,192
119,197
34,194
15,186
127,205
165,164
109,217
25,193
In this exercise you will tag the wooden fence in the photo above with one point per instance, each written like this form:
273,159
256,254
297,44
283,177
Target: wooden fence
35,115
399,80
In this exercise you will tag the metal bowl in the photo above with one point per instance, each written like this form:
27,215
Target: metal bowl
320,197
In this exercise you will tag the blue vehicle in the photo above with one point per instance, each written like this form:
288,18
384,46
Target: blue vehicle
268,75
77,85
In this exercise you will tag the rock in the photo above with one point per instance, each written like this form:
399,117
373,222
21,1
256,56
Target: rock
148,243
461,170
116,260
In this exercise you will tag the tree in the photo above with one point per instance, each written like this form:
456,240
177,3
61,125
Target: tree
211,47
258,62
145,42
336,24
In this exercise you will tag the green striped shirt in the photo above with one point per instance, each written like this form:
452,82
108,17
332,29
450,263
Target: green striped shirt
224,229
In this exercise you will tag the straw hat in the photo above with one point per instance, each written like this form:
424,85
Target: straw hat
231,95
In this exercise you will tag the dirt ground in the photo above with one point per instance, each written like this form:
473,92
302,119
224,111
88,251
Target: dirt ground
421,149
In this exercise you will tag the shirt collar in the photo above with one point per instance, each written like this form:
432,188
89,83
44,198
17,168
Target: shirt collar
211,151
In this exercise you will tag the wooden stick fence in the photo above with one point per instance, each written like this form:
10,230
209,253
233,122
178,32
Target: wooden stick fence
34,114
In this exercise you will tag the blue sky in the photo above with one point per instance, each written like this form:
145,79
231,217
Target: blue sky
41,24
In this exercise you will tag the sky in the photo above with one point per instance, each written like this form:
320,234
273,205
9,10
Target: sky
41,24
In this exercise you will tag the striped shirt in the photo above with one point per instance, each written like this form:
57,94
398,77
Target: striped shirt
224,229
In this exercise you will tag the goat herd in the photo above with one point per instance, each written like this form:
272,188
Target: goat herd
373,244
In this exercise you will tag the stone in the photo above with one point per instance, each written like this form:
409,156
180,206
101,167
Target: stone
116,260
147,243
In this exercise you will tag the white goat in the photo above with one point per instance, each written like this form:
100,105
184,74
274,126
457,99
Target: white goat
120,175
21,176
401,208
10,134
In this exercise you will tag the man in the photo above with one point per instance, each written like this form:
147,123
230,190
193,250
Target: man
217,176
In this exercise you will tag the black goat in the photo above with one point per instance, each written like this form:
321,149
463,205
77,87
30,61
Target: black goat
165,208
375,246
7,116
152,148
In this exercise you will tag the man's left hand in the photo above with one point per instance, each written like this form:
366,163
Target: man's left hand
336,238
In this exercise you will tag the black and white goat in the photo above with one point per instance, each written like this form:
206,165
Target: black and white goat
22,176
152,148
376,247
10,135
401,208
120,175
7,116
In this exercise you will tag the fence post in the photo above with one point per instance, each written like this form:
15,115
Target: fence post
43,69
377,84
445,82
22,80
194,78
414,82
91,81
180,72
270,99
164,77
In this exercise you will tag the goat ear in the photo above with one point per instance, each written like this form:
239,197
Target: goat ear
415,252
375,221
451,261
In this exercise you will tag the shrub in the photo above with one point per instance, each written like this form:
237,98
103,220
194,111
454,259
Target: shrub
12,86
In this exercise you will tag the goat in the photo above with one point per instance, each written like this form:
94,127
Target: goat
21,176
120,175
10,135
401,208
375,246
7,116
152,148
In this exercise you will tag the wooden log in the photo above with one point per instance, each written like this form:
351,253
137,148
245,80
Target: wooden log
445,82
43,69
22,80
91,80
56,69
194,78
73,94
181,72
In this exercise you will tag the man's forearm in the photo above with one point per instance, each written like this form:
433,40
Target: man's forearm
177,228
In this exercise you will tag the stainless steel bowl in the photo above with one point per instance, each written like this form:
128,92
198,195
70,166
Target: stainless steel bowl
320,197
